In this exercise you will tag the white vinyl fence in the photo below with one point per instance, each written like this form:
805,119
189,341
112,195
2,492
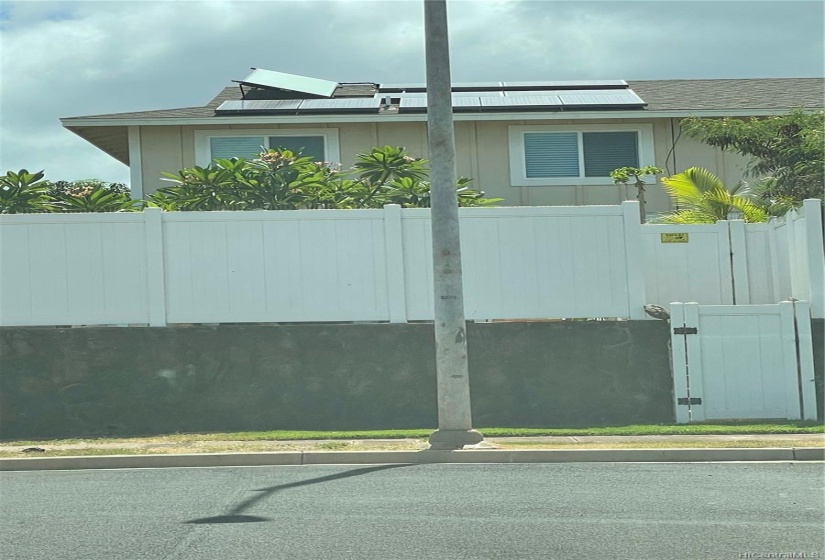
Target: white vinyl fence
314,265
158,268
734,263
743,362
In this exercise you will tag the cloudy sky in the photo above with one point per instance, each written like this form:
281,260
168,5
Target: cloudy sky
73,58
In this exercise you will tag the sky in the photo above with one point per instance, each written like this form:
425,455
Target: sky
75,58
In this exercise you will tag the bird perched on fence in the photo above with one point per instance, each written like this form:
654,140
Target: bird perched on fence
657,312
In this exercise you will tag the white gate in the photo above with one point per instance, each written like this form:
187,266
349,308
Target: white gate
743,361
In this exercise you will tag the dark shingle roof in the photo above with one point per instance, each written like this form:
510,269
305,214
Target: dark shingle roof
660,95
762,93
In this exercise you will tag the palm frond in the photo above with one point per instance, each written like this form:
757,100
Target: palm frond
686,217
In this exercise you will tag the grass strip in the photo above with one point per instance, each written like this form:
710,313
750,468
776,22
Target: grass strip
257,447
716,428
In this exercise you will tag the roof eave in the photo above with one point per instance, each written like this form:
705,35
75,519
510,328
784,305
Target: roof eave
72,122
115,142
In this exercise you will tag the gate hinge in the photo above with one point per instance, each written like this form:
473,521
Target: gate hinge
685,330
689,401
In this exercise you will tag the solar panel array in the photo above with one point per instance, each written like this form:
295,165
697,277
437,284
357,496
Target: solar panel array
412,98
510,86
369,104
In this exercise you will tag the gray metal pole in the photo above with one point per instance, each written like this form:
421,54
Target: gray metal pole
454,416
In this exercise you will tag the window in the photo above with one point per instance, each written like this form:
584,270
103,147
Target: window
565,155
319,144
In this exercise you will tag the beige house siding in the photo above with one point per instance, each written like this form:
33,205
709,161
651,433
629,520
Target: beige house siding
482,153
162,149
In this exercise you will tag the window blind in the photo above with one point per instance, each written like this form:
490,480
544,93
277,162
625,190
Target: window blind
606,151
551,154
247,147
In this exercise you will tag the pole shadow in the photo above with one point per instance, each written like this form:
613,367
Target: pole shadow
236,515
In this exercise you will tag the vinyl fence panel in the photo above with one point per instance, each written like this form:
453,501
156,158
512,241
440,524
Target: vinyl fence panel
687,263
73,269
526,263
313,265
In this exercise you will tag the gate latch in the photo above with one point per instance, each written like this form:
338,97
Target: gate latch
685,330
689,401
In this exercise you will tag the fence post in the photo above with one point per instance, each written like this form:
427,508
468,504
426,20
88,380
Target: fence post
790,359
155,269
739,262
805,355
693,351
634,257
773,251
678,363
816,255
394,260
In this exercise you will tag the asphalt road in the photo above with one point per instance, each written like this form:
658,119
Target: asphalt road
444,512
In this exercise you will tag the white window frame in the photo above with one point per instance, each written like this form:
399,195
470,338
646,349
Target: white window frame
203,152
518,166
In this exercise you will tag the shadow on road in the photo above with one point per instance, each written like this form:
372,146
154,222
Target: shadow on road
235,515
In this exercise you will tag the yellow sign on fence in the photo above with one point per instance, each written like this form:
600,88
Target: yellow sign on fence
674,238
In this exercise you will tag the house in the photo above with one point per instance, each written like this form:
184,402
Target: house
530,143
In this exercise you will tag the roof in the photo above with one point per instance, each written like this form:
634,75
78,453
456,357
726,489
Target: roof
660,95
710,95
663,98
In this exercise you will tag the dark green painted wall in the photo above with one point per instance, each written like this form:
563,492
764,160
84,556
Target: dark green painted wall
98,381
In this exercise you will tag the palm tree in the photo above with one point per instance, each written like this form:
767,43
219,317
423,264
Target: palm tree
703,199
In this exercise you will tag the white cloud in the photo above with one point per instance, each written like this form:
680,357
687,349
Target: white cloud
72,58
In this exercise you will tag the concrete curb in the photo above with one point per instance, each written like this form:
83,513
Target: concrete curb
675,455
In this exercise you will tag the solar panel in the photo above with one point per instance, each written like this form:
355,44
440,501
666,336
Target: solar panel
610,98
527,93
291,82
462,101
568,84
259,105
404,94
390,88
421,102
414,102
422,95
456,87
522,101
470,86
340,104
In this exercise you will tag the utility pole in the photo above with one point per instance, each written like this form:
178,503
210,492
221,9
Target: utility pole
455,425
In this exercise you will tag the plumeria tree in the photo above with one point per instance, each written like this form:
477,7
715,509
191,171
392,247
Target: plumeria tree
23,192
26,192
285,180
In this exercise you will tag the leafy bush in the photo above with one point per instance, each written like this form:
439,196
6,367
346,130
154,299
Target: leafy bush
787,151
277,180
24,192
703,199
284,180
92,195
